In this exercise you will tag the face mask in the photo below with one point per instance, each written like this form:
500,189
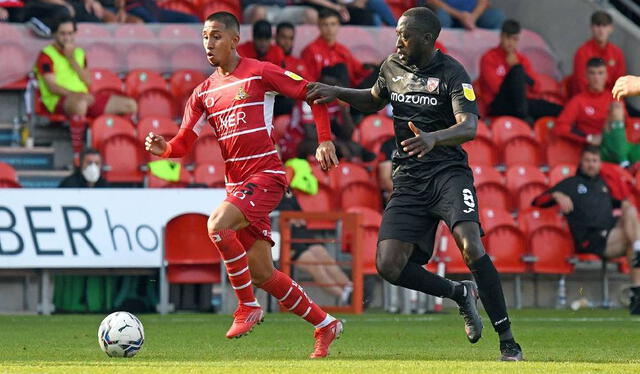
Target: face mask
91,173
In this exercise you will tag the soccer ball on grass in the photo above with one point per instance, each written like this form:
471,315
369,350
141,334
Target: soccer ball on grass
121,335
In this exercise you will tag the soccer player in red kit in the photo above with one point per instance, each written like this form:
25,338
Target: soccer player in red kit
237,102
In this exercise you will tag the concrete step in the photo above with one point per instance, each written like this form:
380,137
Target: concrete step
21,158
42,178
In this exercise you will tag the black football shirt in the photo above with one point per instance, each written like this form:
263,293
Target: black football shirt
430,98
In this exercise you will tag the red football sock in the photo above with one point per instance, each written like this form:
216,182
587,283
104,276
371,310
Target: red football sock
292,296
77,127
237,263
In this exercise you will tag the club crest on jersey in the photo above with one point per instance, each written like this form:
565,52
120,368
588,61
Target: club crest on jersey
241,95
293,75
432,84
467,89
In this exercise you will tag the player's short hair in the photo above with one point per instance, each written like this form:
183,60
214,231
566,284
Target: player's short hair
328,13
62,20
593,149
285,25
595,62
262,30
227,19
426,19
601,18
511,27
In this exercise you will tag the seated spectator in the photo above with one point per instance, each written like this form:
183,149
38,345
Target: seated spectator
507,80
315,258
326,51
49,11
285,34
598,46
385,168
11,10
467,14
64,80
150,12
587,200
277,11
584,117
261,47
115,11
88,174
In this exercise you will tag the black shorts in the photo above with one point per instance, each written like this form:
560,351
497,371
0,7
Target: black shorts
595,241
413,212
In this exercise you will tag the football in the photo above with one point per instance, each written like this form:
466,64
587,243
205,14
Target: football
121,334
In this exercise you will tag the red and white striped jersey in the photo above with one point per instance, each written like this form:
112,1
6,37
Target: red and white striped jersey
239,109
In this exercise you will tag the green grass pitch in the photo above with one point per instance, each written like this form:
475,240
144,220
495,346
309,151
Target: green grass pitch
587,341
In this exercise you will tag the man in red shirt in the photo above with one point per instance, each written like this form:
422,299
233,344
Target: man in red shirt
236,101
326,51
598,46
584,117
285,34
260,48
507,80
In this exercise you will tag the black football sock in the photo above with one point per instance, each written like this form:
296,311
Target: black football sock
416,277
490,290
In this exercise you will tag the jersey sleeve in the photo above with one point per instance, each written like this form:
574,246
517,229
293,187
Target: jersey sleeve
380,88
44,64
283,81
463,98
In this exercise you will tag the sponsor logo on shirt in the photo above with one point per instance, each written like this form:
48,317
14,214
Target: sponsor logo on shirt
209,101
241,95
501,71
413,99
582,189
432,84
612,62
395,79
293,75
467,89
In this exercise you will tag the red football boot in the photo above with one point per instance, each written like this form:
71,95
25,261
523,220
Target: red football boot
324,337
244,319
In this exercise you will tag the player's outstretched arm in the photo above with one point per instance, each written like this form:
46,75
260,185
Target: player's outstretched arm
626,86
423,142
155,144
363,100
179,146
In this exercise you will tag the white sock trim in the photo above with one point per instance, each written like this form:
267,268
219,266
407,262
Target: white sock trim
296,304
235,258
306,313
254,303
327,320
238,273
286,295
243,286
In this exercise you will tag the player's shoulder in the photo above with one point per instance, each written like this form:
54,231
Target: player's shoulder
392,62
450,65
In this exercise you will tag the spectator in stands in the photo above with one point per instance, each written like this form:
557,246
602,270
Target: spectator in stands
598,46
115,11
261,47
385,167
88,174
467,14
587,200
47,12
11,10
315,258
150,12
326,51
64,80
276,11
285,34
584,117
507,79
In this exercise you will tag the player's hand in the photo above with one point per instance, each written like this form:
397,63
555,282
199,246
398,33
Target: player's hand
326,155
616,111
563,201
320,93
468,21
628,85
421,144
155,144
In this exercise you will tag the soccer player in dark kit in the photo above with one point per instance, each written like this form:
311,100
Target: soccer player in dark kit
434,110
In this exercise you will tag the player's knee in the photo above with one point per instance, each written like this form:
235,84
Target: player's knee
78,108
216,223
261,275
467,236
389,262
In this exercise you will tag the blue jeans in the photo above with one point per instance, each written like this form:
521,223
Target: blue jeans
491,18
162,15
381,13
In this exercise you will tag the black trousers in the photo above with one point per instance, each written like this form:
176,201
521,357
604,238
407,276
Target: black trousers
512,99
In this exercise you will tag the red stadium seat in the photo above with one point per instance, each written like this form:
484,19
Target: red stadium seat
122,156
561,172
9,32
491,218
543,127
8,176
133,31
323,177
363,194
374,128
179,32
138,81
527,193
552,249
481,151
158,125
483,174
183,6
190,255
518,176
371,220
208,8
105,80
107,126
182,83
534,218
102,56
522,150
207,150
281,125
633,130
547,84
562,152
506,245
320,202
483,131
447,250
187,56
155,103
347,173
493,195
14,60
211,175
185,179
506,127
542,59
92,31
144,56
